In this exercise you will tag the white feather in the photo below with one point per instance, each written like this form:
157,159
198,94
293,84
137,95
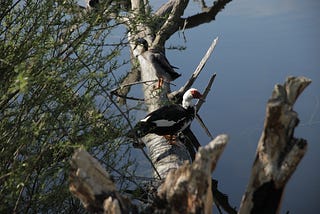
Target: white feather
164,123
145,119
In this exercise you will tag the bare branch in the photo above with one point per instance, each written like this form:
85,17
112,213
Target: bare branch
175,22
206,92
194,76
200,103
122,92
170,26
203,125
205,17
165,8
121,88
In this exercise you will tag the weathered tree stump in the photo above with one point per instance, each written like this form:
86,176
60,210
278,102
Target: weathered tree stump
278,153
188,189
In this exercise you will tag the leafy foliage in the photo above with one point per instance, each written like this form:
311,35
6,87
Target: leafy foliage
57,64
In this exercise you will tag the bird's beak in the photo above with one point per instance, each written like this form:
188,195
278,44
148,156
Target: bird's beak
135,51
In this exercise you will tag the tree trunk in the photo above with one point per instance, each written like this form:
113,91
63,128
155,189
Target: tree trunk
164,156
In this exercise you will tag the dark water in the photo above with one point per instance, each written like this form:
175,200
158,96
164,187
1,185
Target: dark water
260,44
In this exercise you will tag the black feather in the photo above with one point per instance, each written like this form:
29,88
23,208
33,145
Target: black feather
160,59
178,119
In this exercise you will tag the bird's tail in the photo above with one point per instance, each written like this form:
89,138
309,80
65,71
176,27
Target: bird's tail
175,75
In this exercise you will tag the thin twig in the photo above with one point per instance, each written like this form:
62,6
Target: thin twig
126,97
114,91
201,101
133,83
130,177
153,166
204,126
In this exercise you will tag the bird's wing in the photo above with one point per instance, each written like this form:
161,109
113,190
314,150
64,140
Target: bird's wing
167,115
161,59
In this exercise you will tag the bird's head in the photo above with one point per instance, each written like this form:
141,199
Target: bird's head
190,94
195,93
141,45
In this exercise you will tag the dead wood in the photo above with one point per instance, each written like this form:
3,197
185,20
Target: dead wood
278,153
209,14
187,189
179,93
94,187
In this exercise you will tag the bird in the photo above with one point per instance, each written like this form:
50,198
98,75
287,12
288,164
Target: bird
169,120
163,69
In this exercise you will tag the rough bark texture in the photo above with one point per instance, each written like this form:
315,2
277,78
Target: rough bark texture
278,153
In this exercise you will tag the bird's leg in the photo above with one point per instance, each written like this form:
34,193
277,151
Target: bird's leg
170,138
160,83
